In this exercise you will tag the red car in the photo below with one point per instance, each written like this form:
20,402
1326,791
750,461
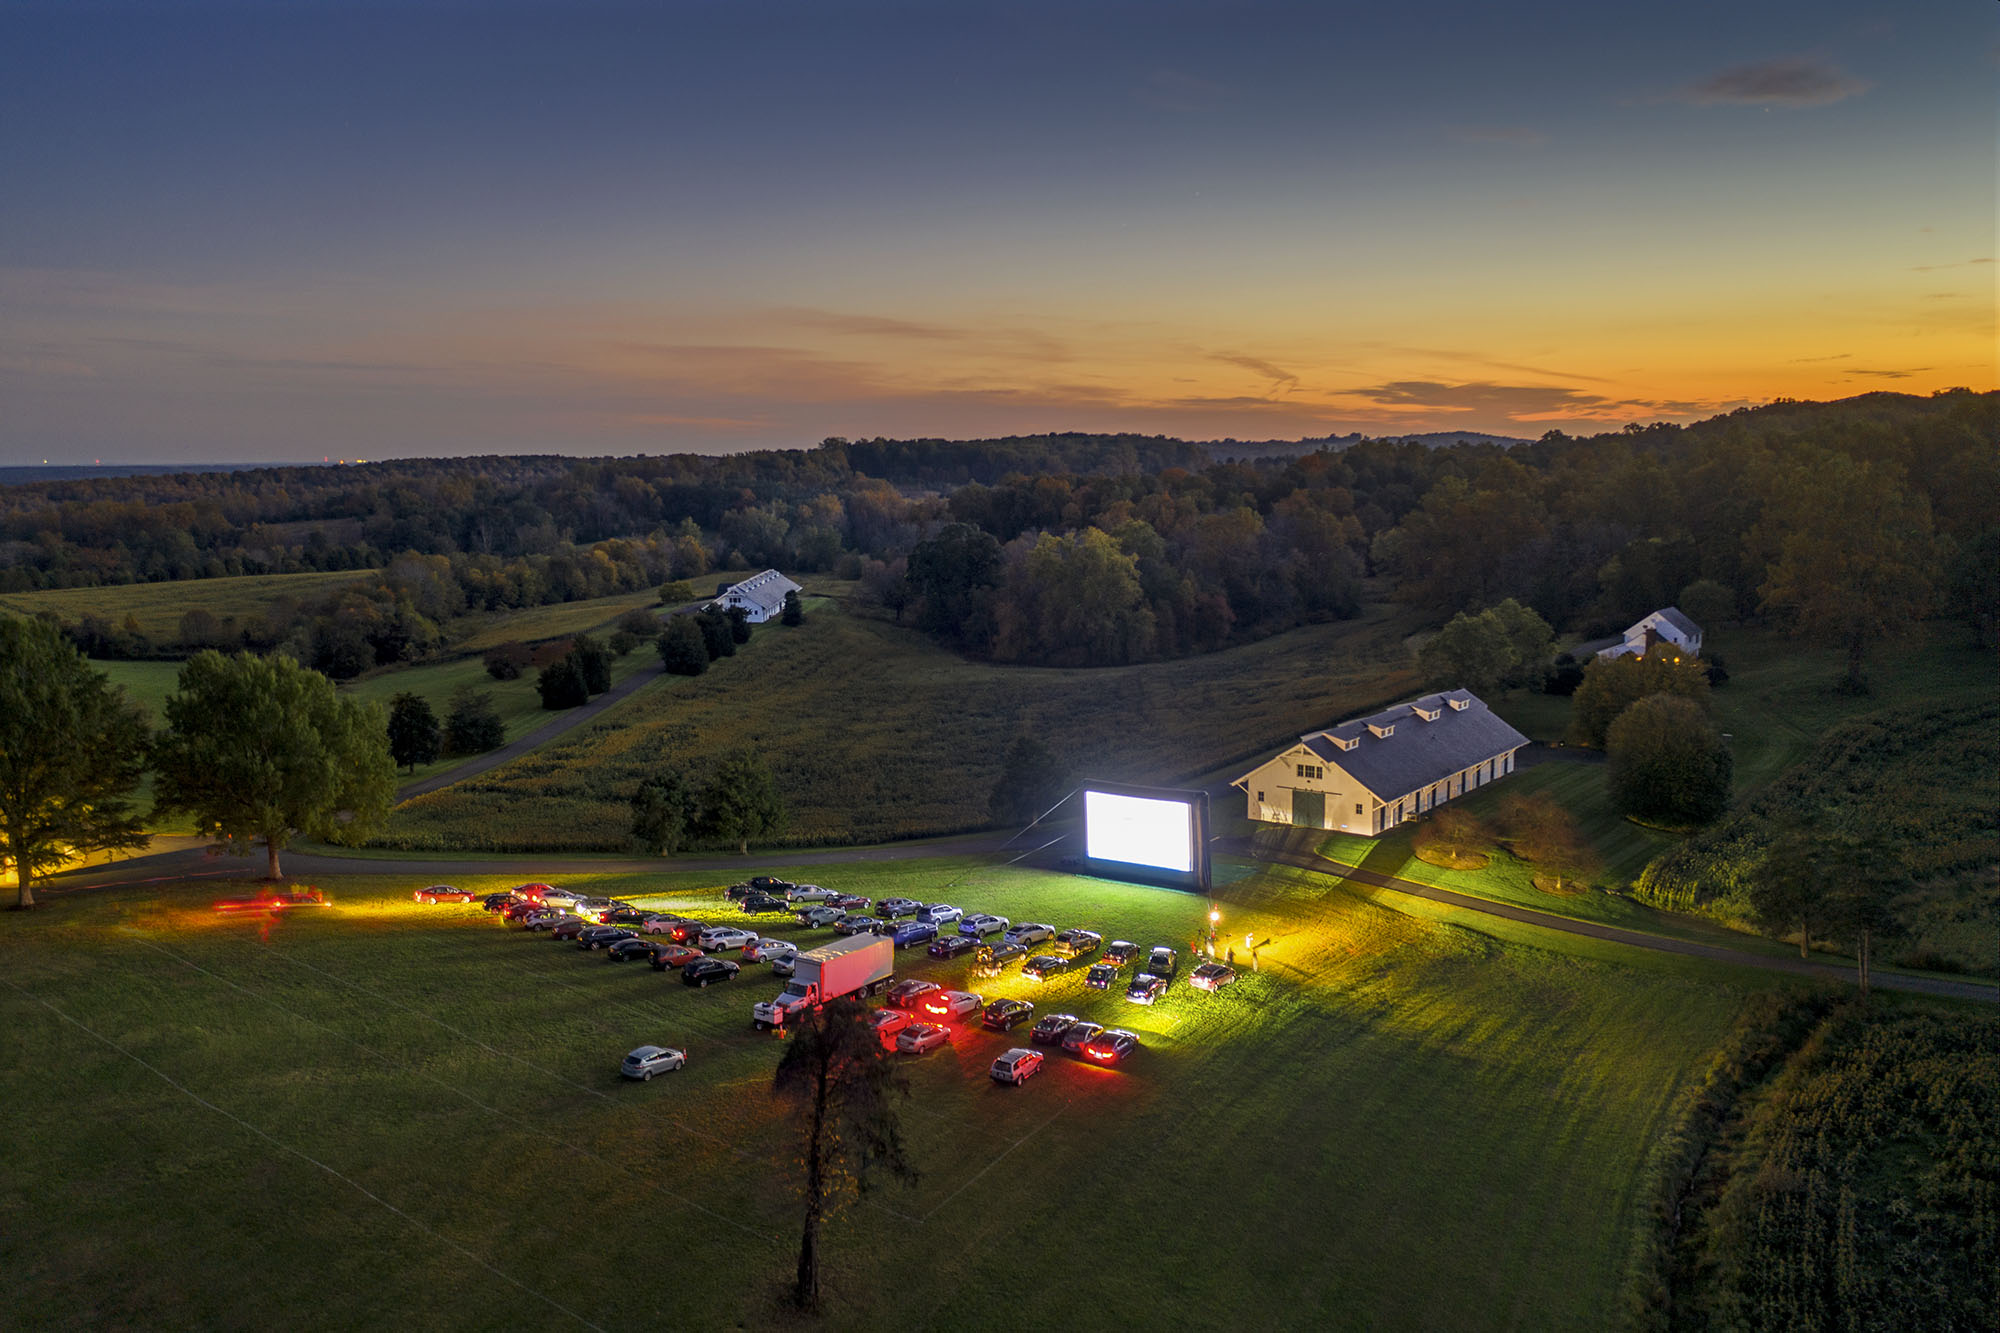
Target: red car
533,892
445,893
674,955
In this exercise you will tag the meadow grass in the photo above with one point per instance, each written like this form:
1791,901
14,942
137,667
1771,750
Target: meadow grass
1397,1122
873,732
158,607
558,620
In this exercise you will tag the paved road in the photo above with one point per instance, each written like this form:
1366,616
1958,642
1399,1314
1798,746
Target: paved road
567,720
1961,990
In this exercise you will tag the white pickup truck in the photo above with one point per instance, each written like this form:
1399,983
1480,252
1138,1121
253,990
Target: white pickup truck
858,965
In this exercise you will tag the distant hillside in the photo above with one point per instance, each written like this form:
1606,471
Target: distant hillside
21,476
1226,451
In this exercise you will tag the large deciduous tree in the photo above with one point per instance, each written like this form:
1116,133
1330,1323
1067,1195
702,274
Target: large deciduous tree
1788,886
72,748
1856,560
953,575
1668,763
1031,780
663,812
1610,686
259,749
683,650
473,726
414,735
740,801
842,1087
1073,601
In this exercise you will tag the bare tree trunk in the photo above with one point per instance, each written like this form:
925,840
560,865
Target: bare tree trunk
271,846
743,846
1864,964
27,898
805,1288
1805,940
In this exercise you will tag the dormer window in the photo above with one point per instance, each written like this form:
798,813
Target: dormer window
1346,742
1427,714
1382,730
1459,705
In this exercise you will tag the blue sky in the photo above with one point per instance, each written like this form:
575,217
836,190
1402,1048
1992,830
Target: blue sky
292,230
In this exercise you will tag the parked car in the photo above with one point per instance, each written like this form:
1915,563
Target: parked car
602,937
785,965
674,956
444,893
809,893
939,914
726,937
770,884
758,903
763,951
666,923
1120,952
1079,1033
595,908
634,947
647,1061
1077,943
1004,1014
1044,966
852,902
1016,1066
981,924
496,902
819,914
1146,988
894,909
1031,932
951,946
533,892
909,994
704,970
921,1037
564,898
736,893
914,932
567,927
624,916
854,923
1108,1048
1212,976
992,959
1049,1029
1163,962
540,918
1101,976
888,1022
949,1004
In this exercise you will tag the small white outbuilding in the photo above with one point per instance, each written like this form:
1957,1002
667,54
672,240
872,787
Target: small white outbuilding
760,595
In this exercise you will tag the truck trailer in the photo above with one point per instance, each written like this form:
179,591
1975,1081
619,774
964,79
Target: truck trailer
856,966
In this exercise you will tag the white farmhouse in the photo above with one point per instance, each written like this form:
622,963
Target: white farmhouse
1666,626
1367,775
762,595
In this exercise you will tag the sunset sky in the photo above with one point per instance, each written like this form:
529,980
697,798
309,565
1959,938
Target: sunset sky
291,229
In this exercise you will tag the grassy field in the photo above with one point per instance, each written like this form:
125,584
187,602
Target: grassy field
158,607
875,733
348,1117
475,634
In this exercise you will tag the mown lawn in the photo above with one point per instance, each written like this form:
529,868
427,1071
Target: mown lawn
875,733
384,1113
158,607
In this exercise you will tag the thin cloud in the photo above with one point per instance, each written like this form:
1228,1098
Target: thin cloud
1889,374
1282,380
1515,401
1511,136
1790,82
1957,263
1837,356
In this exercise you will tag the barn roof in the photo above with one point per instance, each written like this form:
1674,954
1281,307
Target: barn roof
1673,616
767,590
1428,740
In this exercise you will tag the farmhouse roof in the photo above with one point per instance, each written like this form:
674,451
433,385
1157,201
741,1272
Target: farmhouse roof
767,590
1411,745
1672,615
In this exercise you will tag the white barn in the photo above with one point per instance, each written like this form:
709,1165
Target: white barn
1367,775
761,595
1667,625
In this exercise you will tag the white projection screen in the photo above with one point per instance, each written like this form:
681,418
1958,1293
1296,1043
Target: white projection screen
1139,830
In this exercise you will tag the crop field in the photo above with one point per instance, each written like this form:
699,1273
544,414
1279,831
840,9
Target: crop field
158,607
874,733
475,634
348,1116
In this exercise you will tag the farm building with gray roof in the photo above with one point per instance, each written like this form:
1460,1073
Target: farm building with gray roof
1369,774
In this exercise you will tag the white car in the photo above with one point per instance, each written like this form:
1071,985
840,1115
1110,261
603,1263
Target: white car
950,1004
939,914
660,923
1031,932
560,898
819,915
808,893
766,951
726,937
981,923
647,1061
1016,1066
